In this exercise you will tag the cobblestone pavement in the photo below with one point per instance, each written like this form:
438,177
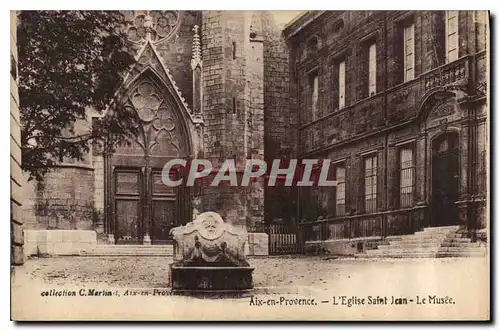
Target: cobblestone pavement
317,272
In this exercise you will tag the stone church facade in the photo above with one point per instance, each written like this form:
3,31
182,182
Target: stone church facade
200,87
394,99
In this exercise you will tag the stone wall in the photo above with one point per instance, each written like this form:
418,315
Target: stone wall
214,97
16,177
63,200
279,117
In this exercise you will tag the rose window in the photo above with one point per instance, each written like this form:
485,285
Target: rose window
159,23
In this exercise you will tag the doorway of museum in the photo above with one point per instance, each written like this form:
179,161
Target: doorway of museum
445,179
145,206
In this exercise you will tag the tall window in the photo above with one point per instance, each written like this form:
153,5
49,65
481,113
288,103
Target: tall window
406,177
371,184
372,69
340,190
451,35
314,88
409,52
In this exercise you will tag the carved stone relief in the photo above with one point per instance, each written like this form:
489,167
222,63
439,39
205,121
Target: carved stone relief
442,107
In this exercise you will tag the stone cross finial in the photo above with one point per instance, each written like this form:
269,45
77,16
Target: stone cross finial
196,60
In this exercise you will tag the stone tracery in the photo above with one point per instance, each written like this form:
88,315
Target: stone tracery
156,118
160,24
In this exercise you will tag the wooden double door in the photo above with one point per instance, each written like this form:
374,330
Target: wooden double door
143,206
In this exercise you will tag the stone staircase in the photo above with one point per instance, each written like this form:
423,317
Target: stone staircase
129,250
446,241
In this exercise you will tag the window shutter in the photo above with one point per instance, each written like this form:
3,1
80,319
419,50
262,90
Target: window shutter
438,38
341,84
395,187
372,69
360,181
335,84
451,36
363,73
380,180
347,79
348,186
409,52
398,55
315,96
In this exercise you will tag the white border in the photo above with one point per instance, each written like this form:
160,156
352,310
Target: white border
192,5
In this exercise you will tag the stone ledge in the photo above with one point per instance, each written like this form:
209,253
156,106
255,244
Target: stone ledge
58,242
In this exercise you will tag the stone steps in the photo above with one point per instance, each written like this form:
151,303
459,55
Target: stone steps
430,242
449,250
421,255
438,240
441,229
462,254
129,250
417,245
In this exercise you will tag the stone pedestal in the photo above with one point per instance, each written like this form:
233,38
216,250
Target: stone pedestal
258,244
111,239
99,228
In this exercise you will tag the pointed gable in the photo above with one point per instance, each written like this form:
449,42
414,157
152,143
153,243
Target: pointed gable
149,59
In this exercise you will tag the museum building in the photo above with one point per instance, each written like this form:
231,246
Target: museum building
398,101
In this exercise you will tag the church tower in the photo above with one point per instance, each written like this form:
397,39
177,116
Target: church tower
233,108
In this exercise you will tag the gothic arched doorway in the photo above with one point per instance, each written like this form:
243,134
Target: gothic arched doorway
142,209
445,179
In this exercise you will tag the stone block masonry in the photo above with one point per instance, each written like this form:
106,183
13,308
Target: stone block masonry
16,178
279,115
233,104
58,242
64,200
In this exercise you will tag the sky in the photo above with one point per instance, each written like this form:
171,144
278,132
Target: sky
282,17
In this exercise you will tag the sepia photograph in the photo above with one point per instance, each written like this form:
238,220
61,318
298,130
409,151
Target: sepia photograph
250,165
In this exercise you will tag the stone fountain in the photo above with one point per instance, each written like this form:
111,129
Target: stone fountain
209,256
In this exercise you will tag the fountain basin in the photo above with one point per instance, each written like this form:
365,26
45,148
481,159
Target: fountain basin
210,278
